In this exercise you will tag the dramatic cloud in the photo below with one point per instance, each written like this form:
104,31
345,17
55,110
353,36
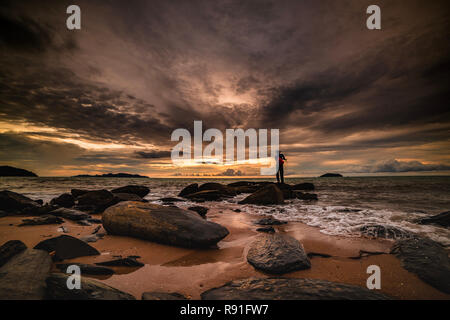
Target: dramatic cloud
108,96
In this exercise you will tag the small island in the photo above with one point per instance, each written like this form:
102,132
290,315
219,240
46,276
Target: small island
110,175
8,171
331,175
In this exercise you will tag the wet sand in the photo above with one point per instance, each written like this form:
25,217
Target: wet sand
192,271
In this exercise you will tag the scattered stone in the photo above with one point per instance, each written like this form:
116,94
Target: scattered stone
90,290
269,194
169,199
426,258
163,296
9,249
173,226
23,276
127,197
90,238
17,203
290,289
41,220
386,232
141,191
266,229
65,200
348,210
202,211
192,188
206,195
87,268
269,221
303,186
98,200
277,254
66,247
70,214
63,229
442,219
129,261
84,223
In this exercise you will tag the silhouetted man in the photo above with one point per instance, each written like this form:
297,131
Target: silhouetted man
280,172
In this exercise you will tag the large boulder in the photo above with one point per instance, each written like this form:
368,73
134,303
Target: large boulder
16,203
192,188
303,186
277,254
167,225
23,276
78,192
66,247
97,200
70,214
206,195
223,189
140,191
65,200
269,194
290,289
127,197
9,249
90,290
442,219
426,258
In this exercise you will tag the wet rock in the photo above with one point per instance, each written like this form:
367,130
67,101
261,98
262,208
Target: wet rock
66,247
84,223
70,214
269,194
202,211
86,268
266,229
39,201
426,258
303,186
307,196
63,229
242,184
99,200
167,225
9,249
78,192
65,200
170,199
207,195
163,296
192,188
90,238
277,254
129,261
90,290
386,232
140,191
23,276
127,197
442,219
16,203
223,189
245,189
269,221
94,220
237,210
290,289
41,220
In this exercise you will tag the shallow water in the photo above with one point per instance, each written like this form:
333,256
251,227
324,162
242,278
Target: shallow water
345,204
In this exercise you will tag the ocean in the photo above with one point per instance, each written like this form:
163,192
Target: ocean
344,205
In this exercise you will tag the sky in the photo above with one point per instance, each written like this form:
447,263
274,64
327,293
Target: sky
107,98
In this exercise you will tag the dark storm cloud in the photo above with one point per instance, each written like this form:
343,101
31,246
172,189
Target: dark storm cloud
393,165
153,154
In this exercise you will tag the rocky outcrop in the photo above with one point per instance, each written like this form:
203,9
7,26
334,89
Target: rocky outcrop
167,225
41,220
140,191
162,296
90,290
65,200
277,254
206,195
290,289
426,258
9,249
7,171
97,200
223,189
202,211
23,276
70,214
303,186
78,192
127,197
267,195
190,189
385,231
66,247
442,219
16,203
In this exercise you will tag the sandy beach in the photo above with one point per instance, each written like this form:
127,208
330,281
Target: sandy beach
192,271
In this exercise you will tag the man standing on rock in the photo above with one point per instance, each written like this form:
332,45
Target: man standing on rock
280,172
